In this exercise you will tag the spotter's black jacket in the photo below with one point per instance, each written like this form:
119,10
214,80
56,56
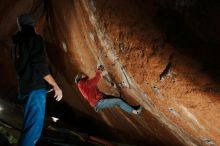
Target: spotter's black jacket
30,60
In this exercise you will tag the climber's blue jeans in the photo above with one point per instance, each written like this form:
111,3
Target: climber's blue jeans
34,112
110,102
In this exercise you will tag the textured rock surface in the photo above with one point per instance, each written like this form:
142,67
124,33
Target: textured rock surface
160,54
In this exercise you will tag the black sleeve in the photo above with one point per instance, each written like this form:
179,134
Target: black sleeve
38,56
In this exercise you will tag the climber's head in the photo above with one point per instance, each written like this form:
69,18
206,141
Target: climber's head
79,77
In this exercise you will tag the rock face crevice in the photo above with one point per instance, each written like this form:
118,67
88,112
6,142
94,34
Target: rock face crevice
160,54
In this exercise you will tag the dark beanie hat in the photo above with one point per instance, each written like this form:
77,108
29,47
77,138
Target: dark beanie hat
26,19
78,77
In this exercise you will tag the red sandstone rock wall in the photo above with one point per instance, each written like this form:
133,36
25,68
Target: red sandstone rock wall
149,53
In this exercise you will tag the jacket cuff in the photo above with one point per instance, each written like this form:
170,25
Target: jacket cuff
44,72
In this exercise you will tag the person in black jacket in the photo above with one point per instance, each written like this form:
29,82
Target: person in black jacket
33,75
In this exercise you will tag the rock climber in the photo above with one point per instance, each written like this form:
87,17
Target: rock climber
96,98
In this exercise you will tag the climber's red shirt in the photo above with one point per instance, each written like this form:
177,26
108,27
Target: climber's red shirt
89,89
